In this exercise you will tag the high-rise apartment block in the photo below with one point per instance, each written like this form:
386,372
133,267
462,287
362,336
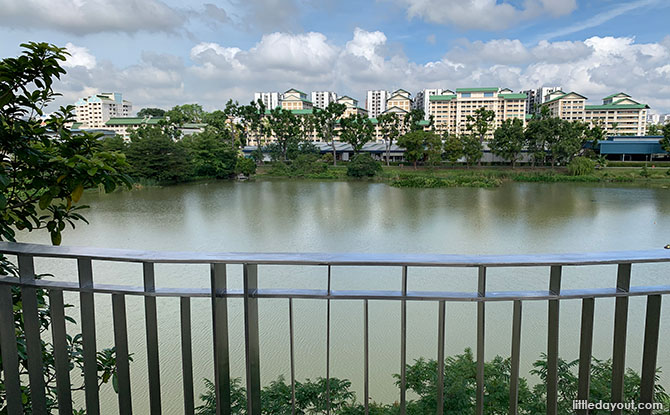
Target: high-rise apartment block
375,102
537,97
270,99
422,101
94,111
321,99
450,110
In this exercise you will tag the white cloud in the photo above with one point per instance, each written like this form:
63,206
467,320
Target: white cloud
484,14
79,56
594,67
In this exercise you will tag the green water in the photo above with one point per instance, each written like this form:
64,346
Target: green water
311,216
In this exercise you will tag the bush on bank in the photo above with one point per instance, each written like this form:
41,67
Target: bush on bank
363,165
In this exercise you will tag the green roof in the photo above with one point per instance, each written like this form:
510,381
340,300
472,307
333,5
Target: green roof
296,112
403,90
194,125
618,93
616,107
486,89
441,97
513,96
529,116
557,98
293,89
423,123
133,120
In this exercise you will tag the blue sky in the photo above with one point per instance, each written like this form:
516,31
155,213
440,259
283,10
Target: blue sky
164,52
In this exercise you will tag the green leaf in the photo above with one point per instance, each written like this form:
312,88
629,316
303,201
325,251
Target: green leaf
45,200
76,194
56,238
3,201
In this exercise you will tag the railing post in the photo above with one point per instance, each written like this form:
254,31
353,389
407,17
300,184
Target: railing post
649,354
121,348
152,339
61,356
186,355
441,316
552,341
32,332
220,325
620,331
585,351
403,343
87,304
251,339
10,355
481,319
515,359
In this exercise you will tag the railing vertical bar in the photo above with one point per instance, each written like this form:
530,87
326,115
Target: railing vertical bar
61,356
152,339
186,355
403,344
221,346
292,349
251,339
366,357
516,358
481,319
620,330
650,351
121,349
328,342
585,351
10,355
31,324
552,341
87,304
441,317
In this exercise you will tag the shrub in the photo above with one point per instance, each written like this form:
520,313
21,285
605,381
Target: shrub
363,165
306,164
581,166
645,172
245,166
327,158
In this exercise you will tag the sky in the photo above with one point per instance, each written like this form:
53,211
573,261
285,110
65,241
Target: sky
161,53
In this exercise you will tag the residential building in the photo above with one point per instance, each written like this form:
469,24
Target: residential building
321,99
294,99
619,114
400,99
270,99
123,126
653,119
94,111
566,106
351,106
422,101
537,97
450,110
375,102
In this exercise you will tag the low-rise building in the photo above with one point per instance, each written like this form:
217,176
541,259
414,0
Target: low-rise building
94,111
351,106
399,99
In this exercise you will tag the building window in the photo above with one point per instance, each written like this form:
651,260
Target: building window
488,94
465,95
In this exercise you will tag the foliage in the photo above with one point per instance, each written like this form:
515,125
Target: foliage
665,141
424,182
479,125
412,119
581,166
472,149
453,148
44,170
325,122
356,130
508,140
151,112
187,113
419,145
245,166
210,154
363,165
654,129
432,149
286,128
389,125
153,154
327,158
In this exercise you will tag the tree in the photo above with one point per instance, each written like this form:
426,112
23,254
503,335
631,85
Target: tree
357,130
567,141
363,165
210,155
325,122
286,128
654,129
154,155
412,120
453,148
251,119
44,170
432,149
151,112
479,124
187,113
508,140
665,141
595,134
413,143
389,125
472,149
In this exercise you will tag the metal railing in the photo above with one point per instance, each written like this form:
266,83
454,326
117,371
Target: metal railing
251,292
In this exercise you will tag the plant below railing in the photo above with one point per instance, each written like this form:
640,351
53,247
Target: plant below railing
460,390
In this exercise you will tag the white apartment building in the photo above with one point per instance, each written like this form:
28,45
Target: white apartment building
94,111
537,97
270,99
450,110
619,114
422,101
321,99
566,106
375,102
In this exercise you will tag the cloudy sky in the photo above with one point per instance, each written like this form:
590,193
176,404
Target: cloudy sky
168,52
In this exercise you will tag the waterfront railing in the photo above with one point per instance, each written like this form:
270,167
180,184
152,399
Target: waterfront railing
219,292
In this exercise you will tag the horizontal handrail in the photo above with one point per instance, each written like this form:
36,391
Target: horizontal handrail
341,259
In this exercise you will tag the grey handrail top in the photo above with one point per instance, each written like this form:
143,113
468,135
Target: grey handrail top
360,259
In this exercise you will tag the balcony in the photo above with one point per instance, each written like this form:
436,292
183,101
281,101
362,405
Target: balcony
219,293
